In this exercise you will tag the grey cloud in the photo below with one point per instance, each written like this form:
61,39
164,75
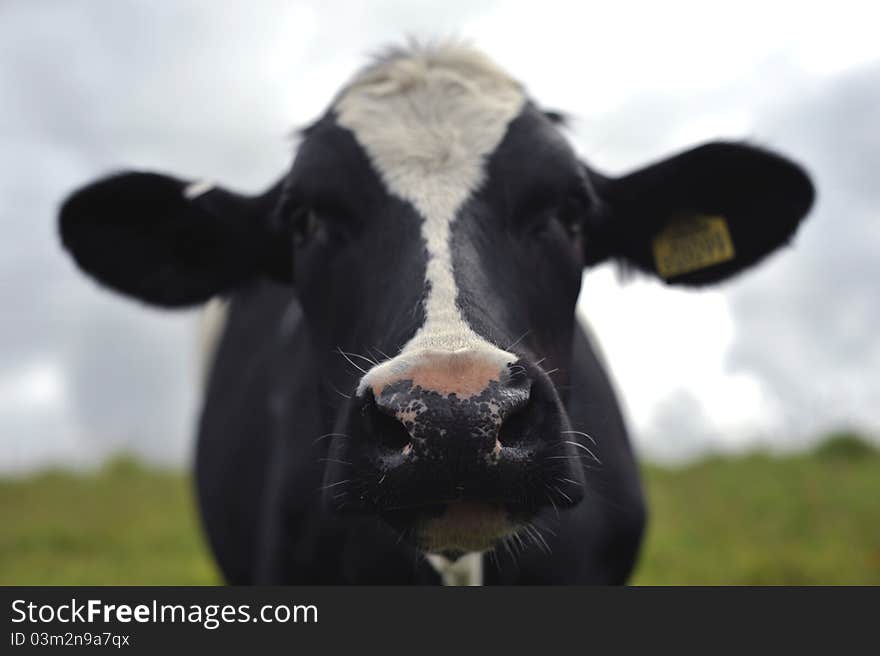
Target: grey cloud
807,325
198,88
203,88
680,428
805,320
79,93
133,382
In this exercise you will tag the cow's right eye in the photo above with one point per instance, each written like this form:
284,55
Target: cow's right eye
304,225
328,227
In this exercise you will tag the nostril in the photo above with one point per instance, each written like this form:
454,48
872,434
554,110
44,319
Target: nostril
518,425
518,376
382,428
389,432
514,430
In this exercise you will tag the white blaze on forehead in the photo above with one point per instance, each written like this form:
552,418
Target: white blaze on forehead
428,120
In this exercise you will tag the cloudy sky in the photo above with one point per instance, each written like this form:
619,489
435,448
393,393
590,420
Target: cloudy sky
212,89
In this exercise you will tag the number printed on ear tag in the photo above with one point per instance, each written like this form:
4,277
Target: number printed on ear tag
691,243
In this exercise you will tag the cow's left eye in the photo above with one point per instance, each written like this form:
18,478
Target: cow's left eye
571,213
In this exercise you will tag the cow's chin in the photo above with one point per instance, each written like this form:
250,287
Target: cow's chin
462,527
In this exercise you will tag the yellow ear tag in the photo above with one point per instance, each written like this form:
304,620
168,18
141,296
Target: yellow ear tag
690,243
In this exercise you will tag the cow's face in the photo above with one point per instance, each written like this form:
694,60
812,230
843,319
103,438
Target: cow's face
435,225
438,217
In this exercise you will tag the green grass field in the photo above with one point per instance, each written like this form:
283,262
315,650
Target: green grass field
808,519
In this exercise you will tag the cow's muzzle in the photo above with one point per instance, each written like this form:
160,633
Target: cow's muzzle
454,453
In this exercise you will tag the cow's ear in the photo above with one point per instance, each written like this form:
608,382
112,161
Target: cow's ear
170,242
701,216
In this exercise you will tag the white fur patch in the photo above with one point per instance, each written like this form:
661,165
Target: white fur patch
211,322
196,189
428,120
467,570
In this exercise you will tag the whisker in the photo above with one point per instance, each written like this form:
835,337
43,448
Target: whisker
326,435
528,533
327,487
493,558
544,541
517,340
590,458
545,528
505,542
342,394
527,529
372,361
553,503
373,352
536,536
350,361
560,492
587,435
581,446
341,462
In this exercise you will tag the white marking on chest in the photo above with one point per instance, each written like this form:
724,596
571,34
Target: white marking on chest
467,570
428,122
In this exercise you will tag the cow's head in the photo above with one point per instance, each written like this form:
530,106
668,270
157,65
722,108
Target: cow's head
435,225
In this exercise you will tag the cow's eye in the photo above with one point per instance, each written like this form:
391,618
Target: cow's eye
322,224
572,213
569,213
304,224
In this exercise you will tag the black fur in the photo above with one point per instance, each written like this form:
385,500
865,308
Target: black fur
762,196
138,234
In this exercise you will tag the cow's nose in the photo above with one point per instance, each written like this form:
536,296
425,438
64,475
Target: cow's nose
448,456
453,410
429,429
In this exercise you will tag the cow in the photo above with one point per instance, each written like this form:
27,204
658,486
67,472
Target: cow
400,391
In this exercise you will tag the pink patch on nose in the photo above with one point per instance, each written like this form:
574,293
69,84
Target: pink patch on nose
464,374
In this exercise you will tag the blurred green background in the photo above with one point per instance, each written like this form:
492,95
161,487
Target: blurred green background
760,519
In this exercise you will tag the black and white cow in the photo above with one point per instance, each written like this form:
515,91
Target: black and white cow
380,407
